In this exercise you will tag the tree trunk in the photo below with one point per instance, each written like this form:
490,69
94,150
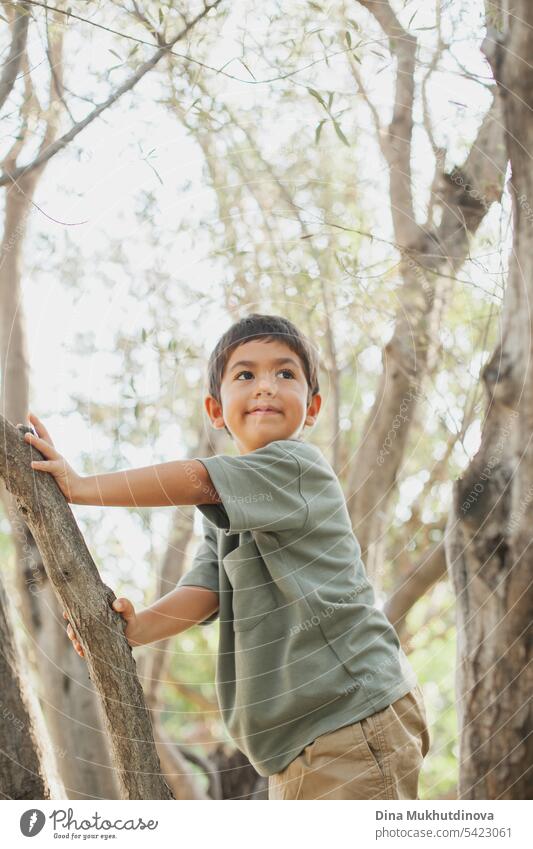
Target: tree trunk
80,591
66,694
427,255
22,774
70,706
488,541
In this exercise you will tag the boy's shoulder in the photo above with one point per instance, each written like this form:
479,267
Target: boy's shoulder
271,489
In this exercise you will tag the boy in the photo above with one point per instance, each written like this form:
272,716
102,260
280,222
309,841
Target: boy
312,683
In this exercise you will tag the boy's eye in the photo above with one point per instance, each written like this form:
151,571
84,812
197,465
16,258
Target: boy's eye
286,370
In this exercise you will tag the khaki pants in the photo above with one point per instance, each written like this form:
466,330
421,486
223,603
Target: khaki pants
377,758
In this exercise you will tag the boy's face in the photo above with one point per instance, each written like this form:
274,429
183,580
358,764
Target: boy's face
264,382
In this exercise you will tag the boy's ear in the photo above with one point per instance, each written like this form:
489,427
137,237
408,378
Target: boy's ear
313,410
214,411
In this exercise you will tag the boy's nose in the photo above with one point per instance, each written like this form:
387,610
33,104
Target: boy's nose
266,388
266,384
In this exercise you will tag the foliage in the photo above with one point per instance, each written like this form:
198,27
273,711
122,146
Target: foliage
211,193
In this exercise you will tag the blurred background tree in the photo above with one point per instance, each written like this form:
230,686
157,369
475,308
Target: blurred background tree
342,165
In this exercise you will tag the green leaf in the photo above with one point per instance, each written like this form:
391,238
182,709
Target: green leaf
316,95
156,174
318,130
193,104
340,134
348,38
386,65
143,335
161,17
325,46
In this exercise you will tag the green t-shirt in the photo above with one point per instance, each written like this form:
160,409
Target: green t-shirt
303,649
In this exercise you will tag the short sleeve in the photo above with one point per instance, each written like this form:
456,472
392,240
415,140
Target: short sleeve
204,568
259,491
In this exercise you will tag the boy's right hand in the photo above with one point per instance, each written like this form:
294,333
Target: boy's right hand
126,610
68,481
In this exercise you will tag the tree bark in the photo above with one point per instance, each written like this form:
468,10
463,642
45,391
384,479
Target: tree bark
488,540
22,774
80,591
70,706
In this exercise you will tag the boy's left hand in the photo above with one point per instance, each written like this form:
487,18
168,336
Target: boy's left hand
132,630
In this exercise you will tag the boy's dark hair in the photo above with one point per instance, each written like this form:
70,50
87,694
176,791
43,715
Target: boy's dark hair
266,328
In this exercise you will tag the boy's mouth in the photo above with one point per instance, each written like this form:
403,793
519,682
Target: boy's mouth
263,410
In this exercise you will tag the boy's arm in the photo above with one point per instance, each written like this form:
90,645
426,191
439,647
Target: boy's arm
162,485
173,483
173,613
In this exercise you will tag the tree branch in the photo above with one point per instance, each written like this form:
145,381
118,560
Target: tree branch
128,85
79,589
403,46
17,49
430,569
